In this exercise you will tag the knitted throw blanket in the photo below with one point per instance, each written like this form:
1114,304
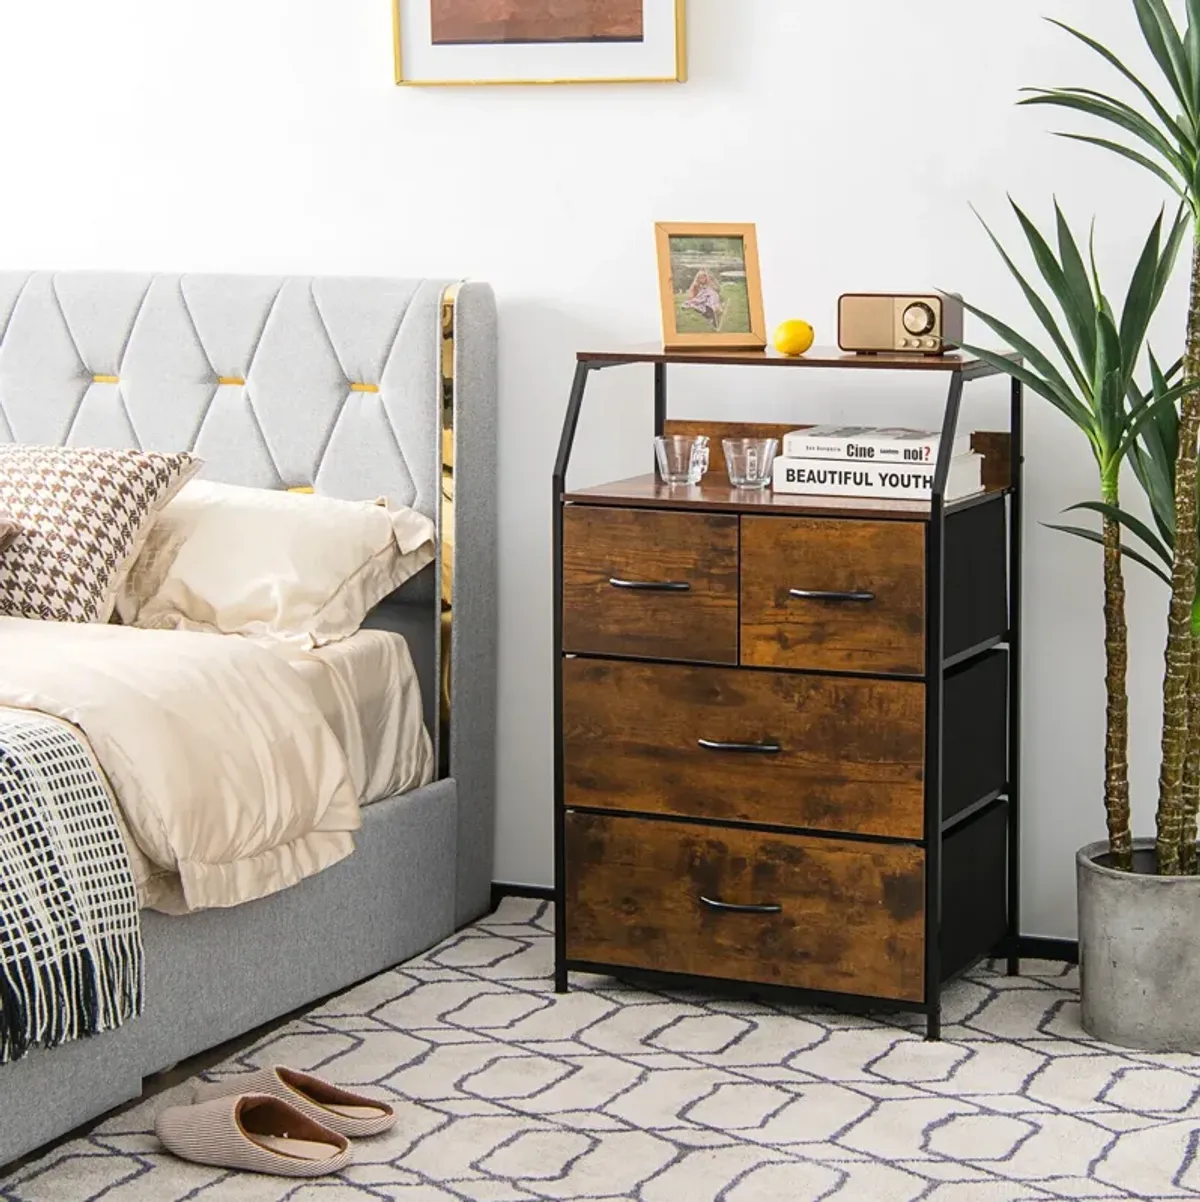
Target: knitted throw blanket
70,931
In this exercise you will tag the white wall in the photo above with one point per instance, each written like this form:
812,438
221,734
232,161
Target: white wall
266,136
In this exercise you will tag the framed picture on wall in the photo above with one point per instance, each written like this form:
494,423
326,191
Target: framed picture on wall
446,42
710,286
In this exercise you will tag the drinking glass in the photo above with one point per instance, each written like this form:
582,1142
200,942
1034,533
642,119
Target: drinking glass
681,460
749,461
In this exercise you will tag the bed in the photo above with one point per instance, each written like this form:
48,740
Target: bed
351,388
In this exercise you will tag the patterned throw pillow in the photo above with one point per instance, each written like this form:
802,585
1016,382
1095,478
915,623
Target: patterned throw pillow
83,514
8,531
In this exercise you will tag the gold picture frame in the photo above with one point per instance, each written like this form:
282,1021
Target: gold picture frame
711,294
679,76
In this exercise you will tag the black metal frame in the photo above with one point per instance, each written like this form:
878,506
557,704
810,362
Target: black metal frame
936,665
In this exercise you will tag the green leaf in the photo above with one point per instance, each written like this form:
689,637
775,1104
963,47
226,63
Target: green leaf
1191,43
1128,552
1115,113
1134,525
1157,479
1153,456
1162,37
1177,131
1184,148
1160,492
1150,416
1110,398
1103,307
1172,181
1042,310
1170,254
1139,303
1074,297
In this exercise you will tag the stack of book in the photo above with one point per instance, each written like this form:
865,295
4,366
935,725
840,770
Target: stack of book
872,461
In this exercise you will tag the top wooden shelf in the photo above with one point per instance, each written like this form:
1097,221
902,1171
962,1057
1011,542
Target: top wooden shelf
825,357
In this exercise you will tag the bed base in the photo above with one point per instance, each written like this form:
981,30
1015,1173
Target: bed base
389,901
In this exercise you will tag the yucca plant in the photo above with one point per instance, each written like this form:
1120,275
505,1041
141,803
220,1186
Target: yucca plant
1099,351
1161,133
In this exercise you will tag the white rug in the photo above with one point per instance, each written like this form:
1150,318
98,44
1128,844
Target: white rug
508,1093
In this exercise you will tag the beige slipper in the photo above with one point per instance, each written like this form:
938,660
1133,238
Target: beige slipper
347,1113
255,1133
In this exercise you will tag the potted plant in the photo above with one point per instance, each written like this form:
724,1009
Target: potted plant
1139,900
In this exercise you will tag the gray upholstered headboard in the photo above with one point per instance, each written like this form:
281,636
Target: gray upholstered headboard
275,383
333,383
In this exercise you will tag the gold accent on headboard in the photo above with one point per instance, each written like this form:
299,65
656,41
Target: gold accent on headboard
364,387
446,528
305,488
106,379
448,299
235,381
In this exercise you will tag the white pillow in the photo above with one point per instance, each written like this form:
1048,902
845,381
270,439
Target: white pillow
256,561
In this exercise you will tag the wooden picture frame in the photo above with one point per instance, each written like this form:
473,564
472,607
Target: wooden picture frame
711,293
449,43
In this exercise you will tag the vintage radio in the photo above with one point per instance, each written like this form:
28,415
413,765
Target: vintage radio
890,322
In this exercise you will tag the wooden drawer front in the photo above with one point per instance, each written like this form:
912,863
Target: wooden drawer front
850,915
873,619
850,758
695,552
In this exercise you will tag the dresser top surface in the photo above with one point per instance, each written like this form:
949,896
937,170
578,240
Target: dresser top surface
716,495
826,357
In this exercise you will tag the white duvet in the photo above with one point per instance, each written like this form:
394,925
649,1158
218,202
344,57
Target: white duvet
229,782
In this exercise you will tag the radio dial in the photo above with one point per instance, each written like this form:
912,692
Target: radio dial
919,318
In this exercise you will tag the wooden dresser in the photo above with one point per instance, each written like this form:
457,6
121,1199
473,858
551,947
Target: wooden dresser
782,730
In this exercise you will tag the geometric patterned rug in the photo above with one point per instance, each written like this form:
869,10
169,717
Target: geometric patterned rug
509,1093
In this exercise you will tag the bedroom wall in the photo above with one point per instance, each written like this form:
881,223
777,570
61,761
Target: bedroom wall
267,137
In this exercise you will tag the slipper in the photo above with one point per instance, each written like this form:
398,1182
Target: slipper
347,1113
253,1132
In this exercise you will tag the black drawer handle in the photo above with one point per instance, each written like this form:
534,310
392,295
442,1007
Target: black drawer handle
652,586
744,748
809,594
730,908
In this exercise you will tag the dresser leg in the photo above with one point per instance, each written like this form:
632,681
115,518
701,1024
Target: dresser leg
1014,966
560,980
933,1024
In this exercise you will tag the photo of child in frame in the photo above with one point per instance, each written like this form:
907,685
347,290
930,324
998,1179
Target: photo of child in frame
709,278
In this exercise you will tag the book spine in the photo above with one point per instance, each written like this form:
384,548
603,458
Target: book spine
869,450
825,478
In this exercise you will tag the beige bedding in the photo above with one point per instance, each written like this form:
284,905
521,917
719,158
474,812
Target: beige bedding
183,750
367,689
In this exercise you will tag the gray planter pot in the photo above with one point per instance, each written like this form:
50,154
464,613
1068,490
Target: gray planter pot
1139,952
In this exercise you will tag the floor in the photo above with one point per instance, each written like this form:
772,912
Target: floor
509,1093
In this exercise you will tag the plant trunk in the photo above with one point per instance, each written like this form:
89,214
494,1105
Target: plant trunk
1191,767
1183,595
1116,651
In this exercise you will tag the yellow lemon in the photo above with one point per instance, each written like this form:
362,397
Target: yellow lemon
794,338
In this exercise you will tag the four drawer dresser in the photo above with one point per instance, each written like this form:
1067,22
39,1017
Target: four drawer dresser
785,744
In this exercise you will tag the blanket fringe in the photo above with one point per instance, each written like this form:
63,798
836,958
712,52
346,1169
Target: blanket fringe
82,993
71,959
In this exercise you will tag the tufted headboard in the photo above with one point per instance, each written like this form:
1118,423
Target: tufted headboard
275,383
343,385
